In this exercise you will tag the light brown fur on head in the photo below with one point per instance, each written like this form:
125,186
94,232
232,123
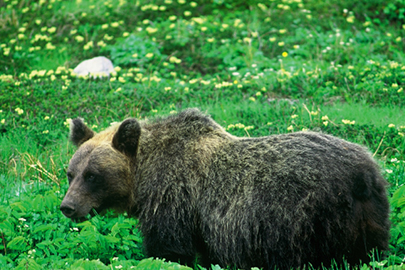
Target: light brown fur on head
99,175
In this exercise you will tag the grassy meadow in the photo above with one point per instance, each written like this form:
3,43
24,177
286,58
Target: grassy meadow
259,67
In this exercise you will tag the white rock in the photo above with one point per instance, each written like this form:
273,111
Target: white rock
96,67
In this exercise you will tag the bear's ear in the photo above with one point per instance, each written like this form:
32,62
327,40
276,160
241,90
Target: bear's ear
126,139
79,132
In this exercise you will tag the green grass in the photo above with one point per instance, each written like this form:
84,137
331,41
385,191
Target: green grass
365,114
258,67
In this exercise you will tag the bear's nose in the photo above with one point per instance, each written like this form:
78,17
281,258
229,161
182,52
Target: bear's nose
67,210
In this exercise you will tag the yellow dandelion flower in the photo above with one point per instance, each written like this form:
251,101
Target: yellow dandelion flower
19,111
88,45
101,43
350,19
247,40
174,59
348,122
107,37
52,30
79,38
50,46
67,122
151,30
205,82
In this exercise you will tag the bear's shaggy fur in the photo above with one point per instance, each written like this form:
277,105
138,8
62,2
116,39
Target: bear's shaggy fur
282,200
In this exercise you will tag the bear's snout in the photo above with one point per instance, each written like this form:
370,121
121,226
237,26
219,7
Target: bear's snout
68,209
77,207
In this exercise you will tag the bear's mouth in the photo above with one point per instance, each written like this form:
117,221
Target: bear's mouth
93,212
79,219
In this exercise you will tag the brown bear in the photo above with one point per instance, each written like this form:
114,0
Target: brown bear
278,201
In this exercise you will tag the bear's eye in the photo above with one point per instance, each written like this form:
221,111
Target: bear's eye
90,178
69,177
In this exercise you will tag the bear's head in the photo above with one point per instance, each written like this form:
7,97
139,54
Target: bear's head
99,173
